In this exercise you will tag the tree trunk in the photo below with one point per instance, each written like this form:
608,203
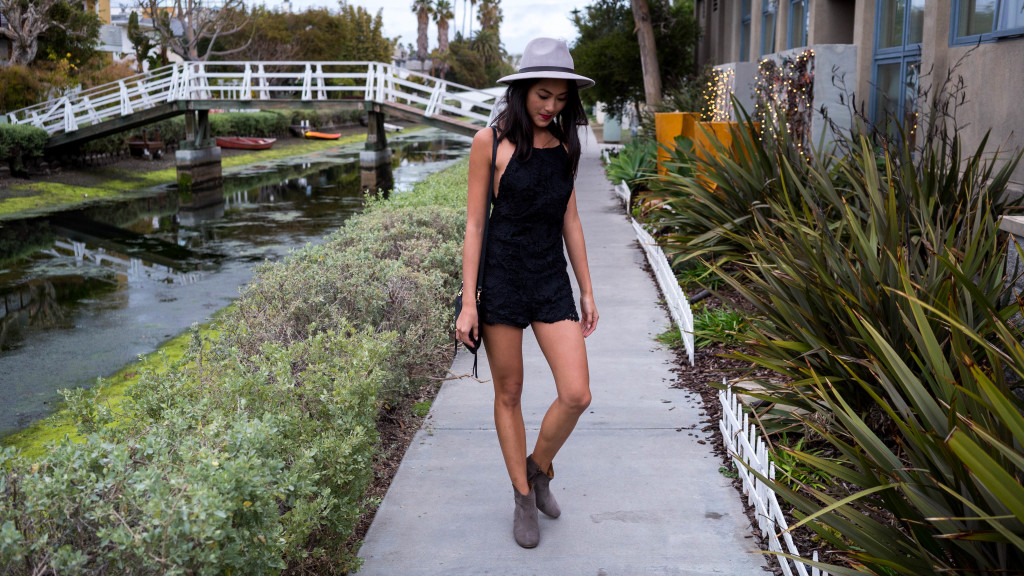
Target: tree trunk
421,35
25,23
648,52
442,36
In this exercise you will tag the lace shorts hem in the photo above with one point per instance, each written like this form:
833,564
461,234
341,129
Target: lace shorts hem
523,325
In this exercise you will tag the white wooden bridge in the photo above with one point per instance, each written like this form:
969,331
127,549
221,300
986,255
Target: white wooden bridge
204,86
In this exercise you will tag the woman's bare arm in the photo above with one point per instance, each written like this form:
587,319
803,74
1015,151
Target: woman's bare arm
572,232
479,180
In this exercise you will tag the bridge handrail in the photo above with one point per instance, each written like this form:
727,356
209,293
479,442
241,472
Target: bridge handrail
257,81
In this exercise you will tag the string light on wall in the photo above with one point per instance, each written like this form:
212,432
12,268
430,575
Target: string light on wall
786,90
717,95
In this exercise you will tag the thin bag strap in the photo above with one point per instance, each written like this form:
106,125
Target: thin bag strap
487,217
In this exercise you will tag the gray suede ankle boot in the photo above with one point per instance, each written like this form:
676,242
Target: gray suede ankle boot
540,479
525,525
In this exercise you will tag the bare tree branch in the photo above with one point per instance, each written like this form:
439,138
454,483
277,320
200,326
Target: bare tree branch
200,26
26,22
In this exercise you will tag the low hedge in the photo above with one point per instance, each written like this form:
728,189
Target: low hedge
251,455
19,143
321,118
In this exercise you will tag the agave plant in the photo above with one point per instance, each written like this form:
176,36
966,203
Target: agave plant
633,163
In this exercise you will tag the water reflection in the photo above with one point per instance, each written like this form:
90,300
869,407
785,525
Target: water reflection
90,291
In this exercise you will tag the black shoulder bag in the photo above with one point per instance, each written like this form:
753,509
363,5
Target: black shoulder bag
480,271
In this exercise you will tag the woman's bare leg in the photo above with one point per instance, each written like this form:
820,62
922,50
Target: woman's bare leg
562,344
504,347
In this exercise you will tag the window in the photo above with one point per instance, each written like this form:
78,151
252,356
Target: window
745,31
899,27
986,20
768,26
798,18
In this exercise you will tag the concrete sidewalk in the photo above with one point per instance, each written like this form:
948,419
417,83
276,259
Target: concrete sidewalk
640,492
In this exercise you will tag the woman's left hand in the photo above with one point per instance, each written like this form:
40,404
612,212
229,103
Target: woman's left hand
588,319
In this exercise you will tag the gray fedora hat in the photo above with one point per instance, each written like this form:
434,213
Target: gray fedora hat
547,58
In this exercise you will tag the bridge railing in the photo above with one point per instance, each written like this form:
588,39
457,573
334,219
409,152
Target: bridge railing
99,103
254,82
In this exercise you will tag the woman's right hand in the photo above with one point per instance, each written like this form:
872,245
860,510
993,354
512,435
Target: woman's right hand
467,324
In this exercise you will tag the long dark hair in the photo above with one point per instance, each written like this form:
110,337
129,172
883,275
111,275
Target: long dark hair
515,124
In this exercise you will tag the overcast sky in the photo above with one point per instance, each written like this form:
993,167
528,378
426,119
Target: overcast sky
524,19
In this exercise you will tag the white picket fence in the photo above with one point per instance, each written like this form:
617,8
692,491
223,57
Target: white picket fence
259,81
678,305
747,447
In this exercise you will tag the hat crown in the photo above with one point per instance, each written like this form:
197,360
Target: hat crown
543,52
547,58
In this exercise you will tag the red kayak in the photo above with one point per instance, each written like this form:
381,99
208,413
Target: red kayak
246,143
323,135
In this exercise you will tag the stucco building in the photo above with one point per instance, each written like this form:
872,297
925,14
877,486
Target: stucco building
886,56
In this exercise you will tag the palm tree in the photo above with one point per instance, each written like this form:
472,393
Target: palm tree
487,44
442,14
422,9
490,15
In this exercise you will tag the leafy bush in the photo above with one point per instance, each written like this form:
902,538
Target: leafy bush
387,269
252,454
837,254
634,162
878,276
939,491
709,200
19,142
20,87
320,118
248,124
220,467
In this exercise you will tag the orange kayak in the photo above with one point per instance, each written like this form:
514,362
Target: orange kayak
323,135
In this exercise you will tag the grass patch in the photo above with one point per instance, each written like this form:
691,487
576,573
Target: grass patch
716,325
672,337
698,276
421,409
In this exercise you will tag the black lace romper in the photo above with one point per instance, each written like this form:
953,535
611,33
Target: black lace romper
525,277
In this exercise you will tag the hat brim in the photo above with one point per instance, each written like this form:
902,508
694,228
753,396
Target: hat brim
581,81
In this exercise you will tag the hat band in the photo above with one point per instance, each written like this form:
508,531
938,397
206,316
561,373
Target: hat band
547,69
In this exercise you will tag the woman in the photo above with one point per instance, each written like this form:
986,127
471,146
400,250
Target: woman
525,282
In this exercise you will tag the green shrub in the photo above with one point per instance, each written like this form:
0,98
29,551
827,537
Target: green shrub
20,87
320,118
249,124
709,201
220,466
252,454
391,269
246,124
837,255
20,142
633,163
939,491
878,277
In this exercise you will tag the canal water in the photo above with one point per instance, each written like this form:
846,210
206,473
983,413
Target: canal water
97,288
